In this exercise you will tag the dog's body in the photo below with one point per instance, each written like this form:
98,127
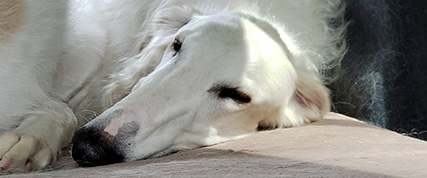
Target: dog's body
169,74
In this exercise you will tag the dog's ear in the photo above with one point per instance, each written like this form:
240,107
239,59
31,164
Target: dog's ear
310,102
157,33
165,23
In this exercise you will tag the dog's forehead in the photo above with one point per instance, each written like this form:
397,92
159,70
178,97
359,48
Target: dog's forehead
217,23
230,40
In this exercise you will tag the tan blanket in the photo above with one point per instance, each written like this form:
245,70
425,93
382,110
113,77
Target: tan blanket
337,146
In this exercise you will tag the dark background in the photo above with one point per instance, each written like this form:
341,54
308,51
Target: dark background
384,75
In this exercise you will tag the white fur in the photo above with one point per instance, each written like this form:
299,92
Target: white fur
117,54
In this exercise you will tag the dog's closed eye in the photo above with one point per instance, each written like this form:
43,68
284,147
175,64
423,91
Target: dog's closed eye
235,94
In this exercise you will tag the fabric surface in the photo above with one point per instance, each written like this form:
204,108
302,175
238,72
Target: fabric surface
337,146
383,76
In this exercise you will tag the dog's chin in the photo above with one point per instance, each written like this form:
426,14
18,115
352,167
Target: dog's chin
169,151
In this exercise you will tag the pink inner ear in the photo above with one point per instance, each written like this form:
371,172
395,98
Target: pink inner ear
301,100
307,101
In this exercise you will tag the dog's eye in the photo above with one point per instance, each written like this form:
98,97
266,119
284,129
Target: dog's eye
176,45
232,93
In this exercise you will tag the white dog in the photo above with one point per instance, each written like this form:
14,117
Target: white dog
167,75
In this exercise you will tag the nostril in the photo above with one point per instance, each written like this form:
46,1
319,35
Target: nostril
91,148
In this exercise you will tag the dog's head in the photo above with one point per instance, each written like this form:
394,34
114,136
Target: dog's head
218,77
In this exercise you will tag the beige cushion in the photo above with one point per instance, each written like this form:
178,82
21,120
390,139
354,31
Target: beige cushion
337,146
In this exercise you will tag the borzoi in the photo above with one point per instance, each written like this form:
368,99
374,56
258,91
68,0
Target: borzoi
157,76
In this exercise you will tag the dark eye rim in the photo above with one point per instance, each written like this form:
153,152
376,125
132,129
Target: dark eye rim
233,93
176,45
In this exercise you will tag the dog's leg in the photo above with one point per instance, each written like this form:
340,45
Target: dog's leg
36,143
32,36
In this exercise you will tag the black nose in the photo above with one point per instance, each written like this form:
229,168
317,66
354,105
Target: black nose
94,148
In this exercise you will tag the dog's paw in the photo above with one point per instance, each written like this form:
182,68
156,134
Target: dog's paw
23,153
